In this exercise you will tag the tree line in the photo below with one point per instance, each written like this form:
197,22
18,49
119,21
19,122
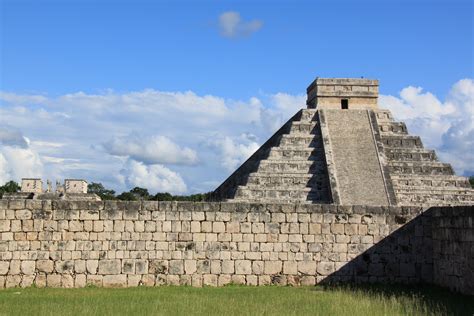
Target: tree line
135,194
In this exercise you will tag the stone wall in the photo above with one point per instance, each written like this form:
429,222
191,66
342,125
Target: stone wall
453,248
75,243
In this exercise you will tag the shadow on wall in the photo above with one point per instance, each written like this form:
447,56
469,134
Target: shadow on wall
436,247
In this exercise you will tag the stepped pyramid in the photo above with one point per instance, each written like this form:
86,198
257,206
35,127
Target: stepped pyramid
343,149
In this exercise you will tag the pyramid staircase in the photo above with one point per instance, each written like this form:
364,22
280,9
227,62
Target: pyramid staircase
418,178
289,167
343,149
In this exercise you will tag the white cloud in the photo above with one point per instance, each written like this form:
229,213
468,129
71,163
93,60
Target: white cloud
17,159
233,152
17,163
447,126
12,137
200,139
231,25
151,150
156,178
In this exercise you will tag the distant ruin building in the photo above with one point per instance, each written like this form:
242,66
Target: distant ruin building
72,189
343,149
75,186
31,185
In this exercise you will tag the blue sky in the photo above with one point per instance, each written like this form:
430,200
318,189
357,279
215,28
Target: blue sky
84,83
62,46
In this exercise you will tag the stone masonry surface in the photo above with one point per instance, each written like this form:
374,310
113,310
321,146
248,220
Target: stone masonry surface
75,243
355,158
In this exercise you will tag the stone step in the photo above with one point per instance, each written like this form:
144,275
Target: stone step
389,128
383,116
300,140
420,168
307,115
434,190
430,180
304,127
433,199
295,153
401,141
290,166
281,182
410,154
302,194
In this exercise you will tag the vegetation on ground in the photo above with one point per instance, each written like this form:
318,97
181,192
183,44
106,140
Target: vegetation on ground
237,300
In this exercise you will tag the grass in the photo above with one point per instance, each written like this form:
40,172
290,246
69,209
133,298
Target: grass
237,300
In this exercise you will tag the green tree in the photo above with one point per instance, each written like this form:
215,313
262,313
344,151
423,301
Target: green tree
140,193
9,187
101,191
471,181
162,197
127,196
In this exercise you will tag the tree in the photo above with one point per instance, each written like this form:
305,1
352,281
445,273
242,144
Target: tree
99,189
140,193
471,181
163,197
127,196
9,187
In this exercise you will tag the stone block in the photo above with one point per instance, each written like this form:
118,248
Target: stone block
218,227
290,267
176,267
243,267
325,268
273,267
209,280
119,280
53,280
190,266
307,267
45,266
110,267
4,267
224,279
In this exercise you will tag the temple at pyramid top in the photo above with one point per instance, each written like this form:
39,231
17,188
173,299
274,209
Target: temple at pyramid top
343,93
343,149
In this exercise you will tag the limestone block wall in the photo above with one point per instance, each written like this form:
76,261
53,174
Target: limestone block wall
75,243
453,248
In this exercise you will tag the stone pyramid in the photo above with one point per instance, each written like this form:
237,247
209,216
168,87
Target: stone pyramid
343,149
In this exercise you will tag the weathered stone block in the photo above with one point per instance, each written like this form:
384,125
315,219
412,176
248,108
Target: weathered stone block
109,267
273,267
45,266
325,268
243,267
4,267
115,280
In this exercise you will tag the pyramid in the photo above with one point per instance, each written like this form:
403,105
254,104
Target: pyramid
343,149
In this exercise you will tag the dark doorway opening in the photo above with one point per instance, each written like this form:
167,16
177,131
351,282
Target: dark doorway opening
344,104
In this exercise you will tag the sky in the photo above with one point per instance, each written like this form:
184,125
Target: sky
173,96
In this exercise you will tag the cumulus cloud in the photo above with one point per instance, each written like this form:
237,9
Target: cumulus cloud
151,150
17,159
11,137
231,25
184,141
156,178
283,107
233,152
447,126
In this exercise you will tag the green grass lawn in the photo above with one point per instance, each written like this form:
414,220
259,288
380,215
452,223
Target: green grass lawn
236,300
